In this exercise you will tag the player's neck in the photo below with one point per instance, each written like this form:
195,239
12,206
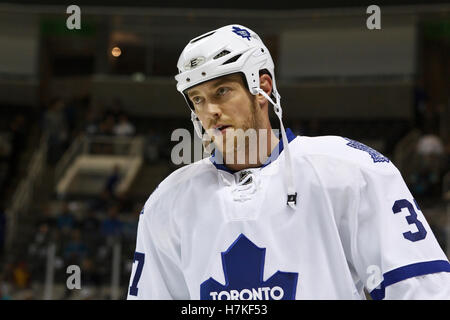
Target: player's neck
269,143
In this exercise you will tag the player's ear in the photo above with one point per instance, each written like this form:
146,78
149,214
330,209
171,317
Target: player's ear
265,83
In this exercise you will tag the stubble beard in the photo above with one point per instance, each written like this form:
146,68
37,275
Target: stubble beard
239,143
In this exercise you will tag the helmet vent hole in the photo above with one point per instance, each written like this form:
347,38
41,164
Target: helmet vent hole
235,58
201,37
203,73
221,54
188,79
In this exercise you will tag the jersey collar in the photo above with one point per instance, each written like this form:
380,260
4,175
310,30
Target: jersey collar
273,156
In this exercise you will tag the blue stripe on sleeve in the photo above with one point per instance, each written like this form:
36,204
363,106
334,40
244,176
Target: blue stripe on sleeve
409,271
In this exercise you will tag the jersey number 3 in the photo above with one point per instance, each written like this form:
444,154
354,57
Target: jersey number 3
412,219
140,258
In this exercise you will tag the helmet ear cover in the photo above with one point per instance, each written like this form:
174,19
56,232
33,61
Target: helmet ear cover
261,72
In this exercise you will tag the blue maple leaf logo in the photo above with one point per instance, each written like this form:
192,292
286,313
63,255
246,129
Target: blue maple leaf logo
376,156
242,32
243,267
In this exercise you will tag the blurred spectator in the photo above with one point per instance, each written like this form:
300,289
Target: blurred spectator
112,181
75,250
55,126
90,228
428,165
37,251
4,292
106,127
112,226
47,217
65,220
38,248
90,224
430,144
6,280
422,182
431,151
124,127
21,275
92,120
129,230
124,201
153,143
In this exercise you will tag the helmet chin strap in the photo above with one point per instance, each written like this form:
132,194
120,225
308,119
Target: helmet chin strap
198,129
292,195
197,124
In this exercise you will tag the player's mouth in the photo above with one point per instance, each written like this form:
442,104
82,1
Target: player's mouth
222,128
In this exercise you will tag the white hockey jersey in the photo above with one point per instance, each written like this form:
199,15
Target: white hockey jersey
209,233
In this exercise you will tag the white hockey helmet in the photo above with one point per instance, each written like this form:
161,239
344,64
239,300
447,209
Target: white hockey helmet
230,49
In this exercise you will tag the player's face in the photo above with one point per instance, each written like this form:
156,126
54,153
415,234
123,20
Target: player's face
224,105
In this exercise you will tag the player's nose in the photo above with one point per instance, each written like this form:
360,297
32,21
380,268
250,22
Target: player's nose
213,110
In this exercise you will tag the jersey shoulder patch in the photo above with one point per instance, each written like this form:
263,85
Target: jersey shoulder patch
376,156
345,150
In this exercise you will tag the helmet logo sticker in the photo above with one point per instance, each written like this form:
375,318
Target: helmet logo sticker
194,63
242,32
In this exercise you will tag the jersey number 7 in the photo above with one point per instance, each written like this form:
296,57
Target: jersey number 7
140,258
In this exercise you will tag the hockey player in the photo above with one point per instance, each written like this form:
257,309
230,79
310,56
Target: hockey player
311,218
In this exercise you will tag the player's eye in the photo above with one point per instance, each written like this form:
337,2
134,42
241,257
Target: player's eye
196,100
222,91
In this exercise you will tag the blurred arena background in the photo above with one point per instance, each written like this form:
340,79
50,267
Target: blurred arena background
87,116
